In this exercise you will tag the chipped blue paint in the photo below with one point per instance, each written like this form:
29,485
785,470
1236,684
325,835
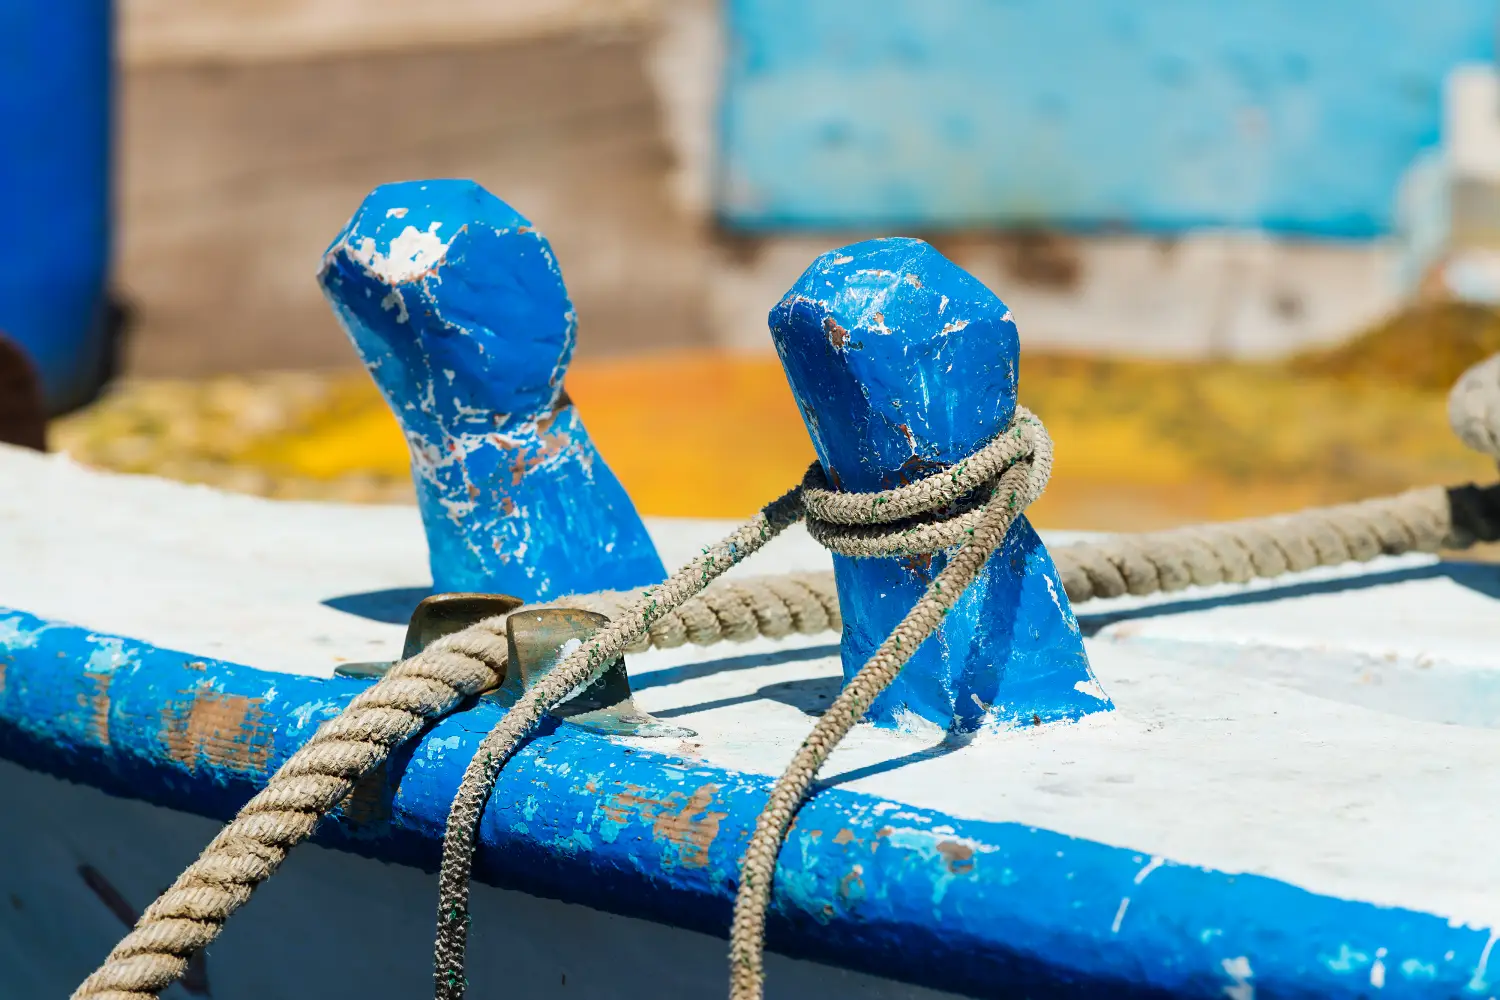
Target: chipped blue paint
458,308
1164,116
990,909
902,364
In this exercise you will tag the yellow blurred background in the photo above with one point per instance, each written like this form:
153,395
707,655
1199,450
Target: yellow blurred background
1139,443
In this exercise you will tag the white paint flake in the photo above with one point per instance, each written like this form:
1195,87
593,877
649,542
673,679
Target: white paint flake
1239,970
396,302
1480,979
1154,864
411,255
1114,928
1091,688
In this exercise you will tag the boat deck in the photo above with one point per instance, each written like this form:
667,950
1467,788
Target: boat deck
1291,792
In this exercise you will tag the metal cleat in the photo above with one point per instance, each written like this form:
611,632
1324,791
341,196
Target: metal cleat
539,639
435,617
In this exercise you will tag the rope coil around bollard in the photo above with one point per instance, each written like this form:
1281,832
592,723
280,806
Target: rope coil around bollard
1014,467
970,505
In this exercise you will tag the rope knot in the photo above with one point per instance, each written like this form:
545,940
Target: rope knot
938,511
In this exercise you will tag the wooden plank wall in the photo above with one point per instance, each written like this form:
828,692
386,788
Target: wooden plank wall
238,162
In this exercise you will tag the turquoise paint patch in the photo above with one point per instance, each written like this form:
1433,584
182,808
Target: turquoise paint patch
1416,969
17,633
109,654
1347,960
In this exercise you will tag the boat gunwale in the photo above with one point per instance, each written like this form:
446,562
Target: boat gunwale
880,886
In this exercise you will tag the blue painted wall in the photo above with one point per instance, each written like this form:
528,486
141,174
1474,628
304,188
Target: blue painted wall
1292,116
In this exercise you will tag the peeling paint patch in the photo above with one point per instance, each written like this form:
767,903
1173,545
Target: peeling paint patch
1151,866
109,654
93,699
1114,928
1347,960
837,335
959,857
956,854
684,822
1480,979
852,885
396,302
411,254
222,730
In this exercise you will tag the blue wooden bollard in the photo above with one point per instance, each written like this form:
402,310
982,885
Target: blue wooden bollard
902,364
456,304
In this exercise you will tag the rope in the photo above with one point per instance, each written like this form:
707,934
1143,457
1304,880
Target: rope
1029,453
1016,466
192,912
313,781
575,669
1236,551
1474,407
734,610
1425,520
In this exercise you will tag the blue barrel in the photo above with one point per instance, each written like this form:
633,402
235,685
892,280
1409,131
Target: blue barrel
55,117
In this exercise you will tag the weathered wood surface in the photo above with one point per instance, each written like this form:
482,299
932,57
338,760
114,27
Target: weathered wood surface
457,305
174,32
231,181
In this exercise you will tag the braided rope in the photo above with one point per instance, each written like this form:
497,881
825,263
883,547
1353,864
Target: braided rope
1474,407
927,515
1237,551
1014,489
577,668
728,610
1017,464
314,780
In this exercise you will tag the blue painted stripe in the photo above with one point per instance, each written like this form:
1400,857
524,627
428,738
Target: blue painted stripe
983,908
